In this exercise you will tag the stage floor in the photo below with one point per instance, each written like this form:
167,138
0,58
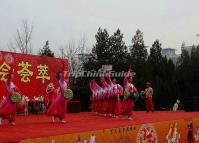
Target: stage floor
34,126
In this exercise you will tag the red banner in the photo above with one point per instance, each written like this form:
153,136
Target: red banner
31,73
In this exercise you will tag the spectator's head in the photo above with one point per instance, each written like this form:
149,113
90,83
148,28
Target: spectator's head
148,84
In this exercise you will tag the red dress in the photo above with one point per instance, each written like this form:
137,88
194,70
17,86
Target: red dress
8,108
107,102
93,97
59,104
128,104
50,97
117,90
117,103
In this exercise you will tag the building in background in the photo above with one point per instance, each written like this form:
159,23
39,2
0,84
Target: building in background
170,53
188,49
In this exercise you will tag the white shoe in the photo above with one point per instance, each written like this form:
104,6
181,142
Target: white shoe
62,121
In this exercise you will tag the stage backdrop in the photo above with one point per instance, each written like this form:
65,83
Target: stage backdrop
31,73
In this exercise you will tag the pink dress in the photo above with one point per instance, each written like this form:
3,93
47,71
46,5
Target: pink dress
107,102
128,104
94,99
117,91
59,104
8,108
100,94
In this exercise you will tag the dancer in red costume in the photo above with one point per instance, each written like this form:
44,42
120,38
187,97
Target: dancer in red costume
51,94
108,94
58,107
98,96
7,107
128,103
94,96
118,91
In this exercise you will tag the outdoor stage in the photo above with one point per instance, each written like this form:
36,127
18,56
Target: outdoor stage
157,127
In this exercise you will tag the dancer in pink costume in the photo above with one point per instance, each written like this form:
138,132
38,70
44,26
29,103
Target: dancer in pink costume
128,104
58,107
107,102
97,96
7,107
94,97
118,91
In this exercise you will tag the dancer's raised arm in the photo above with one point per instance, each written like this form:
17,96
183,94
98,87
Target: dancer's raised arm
108,74
103,81
127,77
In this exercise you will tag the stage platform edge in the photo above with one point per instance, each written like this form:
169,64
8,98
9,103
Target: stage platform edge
177,131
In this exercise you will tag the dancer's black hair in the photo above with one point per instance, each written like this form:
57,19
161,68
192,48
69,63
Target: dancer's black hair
57,76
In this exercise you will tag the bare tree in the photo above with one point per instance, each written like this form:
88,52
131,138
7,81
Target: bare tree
70,51
22,39
73,53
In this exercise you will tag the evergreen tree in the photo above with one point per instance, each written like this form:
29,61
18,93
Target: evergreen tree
101,49
45,51
138,59
109,50
184,72
194,75
138,49
155,56
118,51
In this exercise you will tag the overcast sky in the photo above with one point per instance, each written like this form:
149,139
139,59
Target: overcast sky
63,21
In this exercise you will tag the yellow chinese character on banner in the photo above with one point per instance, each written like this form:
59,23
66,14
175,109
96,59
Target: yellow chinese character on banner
43,73
25,73
4,69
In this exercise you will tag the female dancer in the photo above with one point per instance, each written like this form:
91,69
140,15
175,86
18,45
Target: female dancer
58,107
99,94
107,106
51,94
7,107
128,104
94,96
118,91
